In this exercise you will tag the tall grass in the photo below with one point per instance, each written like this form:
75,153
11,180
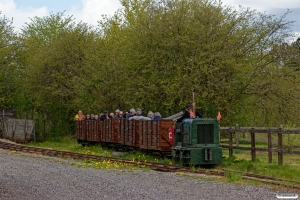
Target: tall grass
259,166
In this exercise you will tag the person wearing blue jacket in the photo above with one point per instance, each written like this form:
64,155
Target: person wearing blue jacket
157,116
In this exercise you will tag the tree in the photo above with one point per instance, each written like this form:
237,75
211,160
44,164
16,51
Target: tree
152,54
9,45
173,47
55,66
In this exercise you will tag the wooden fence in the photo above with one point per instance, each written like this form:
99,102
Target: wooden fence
269,132
7,114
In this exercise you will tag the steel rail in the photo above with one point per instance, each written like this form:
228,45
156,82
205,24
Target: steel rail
153,165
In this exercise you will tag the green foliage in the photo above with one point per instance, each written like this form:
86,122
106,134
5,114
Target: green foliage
9,75
151,54
55,68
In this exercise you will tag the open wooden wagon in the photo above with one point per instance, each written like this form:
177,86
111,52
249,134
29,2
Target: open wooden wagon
152,135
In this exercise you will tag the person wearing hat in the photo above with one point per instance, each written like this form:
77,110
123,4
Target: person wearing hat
105,115
189,113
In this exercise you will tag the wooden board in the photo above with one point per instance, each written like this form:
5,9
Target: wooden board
128,134
19,130
108,130
152,136
121,131
116,130
163,135
100,131
143,134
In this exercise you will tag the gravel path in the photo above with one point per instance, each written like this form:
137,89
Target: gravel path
27,176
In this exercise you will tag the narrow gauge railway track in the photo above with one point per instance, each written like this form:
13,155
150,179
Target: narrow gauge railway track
153,165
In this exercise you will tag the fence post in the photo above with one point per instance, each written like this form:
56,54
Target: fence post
13,129
253,153
280,154
2,135
44,123
38,125
2,125
270,146
237,135
230,143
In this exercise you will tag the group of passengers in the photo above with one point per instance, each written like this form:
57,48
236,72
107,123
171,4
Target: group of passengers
131,114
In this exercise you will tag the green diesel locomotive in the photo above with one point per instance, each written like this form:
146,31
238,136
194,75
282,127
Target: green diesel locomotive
197,142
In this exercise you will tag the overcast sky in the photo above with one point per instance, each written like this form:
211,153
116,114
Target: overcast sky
90,11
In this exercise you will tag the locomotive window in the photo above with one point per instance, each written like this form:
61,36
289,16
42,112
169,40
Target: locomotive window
205,133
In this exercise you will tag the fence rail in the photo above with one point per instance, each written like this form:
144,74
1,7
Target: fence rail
253,131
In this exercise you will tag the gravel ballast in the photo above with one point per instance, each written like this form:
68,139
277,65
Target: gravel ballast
27,176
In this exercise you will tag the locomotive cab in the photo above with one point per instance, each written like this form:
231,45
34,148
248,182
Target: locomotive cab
197,142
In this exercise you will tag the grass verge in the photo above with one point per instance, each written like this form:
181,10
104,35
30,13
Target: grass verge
239,162
69,144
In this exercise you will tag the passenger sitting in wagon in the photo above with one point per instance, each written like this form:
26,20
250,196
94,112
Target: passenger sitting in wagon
189,114
105,115
150,115
88,117
112,115
139,116
139,110
117,113
131,113
79,116
157,116
96,117
121,114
